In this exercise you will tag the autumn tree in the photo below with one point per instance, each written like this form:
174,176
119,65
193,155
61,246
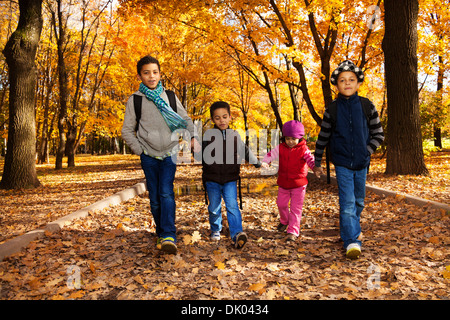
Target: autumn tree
20,53
76,67
59,23
8,22
433,52
270,40
46,94
405,152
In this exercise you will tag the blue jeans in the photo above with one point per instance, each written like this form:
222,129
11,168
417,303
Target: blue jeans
228,192
159,175
352,191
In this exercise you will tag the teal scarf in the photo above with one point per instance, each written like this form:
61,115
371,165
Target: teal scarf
173,119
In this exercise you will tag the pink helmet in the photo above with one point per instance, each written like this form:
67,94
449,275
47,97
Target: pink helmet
293,129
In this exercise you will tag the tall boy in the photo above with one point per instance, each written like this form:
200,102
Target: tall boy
223,152
352,130
152,140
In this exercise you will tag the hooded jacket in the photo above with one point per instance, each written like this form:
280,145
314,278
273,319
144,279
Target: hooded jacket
223,153
351,138
349,141
153,136
293,164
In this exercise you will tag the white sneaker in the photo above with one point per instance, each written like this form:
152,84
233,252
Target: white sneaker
215,235
353,251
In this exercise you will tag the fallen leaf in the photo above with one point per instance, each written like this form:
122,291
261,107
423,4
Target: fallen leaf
196,236
170,289
446,272
284,252
34,283
138,279
92,267
256,286
77,294
434,240
187,239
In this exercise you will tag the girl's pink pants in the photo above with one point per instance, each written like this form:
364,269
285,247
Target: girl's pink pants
292,215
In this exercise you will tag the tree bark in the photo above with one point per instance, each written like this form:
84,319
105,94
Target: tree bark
20,53
60,35
439,92
404,138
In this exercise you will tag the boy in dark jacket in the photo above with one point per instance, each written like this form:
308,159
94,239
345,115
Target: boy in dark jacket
352,135
223,153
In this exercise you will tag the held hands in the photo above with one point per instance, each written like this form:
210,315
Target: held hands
267,170
265,165
195,146
318,171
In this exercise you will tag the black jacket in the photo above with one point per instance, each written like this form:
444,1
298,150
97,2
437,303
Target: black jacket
223,153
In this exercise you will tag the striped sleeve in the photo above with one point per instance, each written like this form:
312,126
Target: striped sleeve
309,159
323,138
272,155
375,131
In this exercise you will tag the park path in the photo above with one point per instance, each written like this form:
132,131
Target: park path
111,254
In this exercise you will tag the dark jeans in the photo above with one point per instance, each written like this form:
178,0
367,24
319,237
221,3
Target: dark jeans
160,175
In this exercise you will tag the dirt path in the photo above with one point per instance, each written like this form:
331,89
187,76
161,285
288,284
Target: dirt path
112,254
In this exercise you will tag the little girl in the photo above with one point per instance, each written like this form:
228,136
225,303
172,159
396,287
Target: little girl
294,160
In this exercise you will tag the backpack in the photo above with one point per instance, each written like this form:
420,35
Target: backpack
137,99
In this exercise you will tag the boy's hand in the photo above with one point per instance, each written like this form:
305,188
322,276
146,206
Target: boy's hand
318,171
195,145
265,165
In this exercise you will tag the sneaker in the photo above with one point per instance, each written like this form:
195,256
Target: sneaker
215,235
241,240
168,245
281,227
291,237
353,251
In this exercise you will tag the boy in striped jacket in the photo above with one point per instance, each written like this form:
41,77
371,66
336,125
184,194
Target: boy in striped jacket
352,131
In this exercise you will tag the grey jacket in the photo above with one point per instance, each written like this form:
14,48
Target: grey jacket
153,136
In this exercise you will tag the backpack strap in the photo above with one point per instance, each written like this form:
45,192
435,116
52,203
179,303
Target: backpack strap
172,100
367,108
137,101
240,192
332,111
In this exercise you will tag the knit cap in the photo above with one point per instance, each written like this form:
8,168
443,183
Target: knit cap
293,129
347,65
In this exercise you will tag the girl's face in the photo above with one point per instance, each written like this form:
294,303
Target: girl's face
150,75
291,141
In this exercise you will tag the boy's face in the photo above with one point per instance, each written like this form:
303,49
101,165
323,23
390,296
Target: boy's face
221,118
150,75
347,83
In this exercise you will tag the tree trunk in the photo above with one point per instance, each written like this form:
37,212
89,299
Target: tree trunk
20,53
439,91
60,35
404,138
70,143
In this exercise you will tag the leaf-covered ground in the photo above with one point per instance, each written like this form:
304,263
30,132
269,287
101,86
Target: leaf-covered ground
111,254
65,191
